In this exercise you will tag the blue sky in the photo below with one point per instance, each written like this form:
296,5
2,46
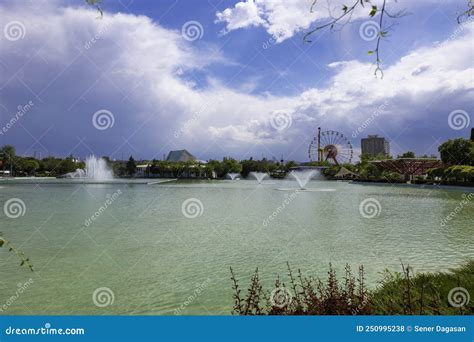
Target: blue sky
245,85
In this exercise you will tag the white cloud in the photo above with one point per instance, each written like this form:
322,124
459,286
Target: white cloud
281,18
244,14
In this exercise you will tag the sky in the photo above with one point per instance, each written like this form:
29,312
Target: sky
229,78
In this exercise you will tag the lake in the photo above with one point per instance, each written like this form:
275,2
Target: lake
137,249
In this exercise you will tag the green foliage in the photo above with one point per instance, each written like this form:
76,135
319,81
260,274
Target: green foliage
408,154
463,173
422,294
131,166
24,260
399,293
29,166
457,152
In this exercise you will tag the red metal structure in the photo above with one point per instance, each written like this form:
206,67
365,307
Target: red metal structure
408,166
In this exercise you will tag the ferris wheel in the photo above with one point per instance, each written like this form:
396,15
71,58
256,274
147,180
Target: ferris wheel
331,146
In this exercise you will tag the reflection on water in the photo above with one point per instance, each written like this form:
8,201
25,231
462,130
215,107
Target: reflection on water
152,257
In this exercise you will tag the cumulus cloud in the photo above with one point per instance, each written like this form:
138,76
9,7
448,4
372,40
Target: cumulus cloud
72,65
282,19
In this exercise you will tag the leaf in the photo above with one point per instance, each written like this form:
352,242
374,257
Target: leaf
373,12
370,52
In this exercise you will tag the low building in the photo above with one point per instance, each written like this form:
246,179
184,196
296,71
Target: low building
374,145
180,156
142,170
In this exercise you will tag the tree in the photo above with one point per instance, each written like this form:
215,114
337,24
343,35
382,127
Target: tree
408,154
457,152
28,166
131,166
8,154
231,165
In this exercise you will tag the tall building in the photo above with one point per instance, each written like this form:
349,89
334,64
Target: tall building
374,145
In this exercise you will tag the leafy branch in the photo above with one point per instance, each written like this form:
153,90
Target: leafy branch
467,14
345,17
24,260
96,4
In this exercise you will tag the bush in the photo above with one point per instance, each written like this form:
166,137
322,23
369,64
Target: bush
399,293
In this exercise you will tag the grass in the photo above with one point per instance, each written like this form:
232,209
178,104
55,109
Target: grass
399,293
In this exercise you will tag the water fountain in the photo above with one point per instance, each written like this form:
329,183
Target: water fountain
96,169
303,177
259,176
233,176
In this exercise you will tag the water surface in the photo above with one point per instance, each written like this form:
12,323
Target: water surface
154,258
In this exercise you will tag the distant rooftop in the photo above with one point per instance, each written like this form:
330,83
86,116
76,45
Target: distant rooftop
180,156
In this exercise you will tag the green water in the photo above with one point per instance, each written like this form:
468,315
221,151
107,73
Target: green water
154,259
